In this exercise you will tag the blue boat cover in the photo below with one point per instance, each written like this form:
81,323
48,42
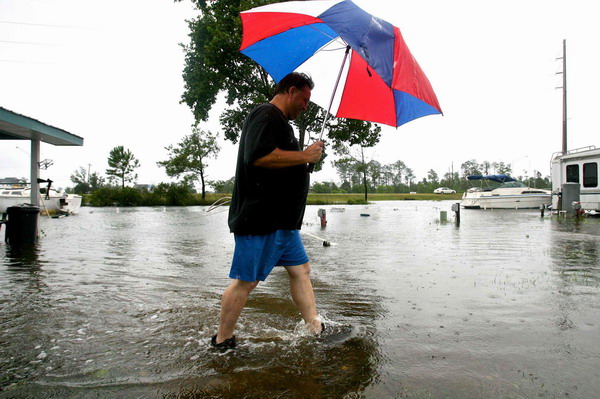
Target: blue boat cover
496,178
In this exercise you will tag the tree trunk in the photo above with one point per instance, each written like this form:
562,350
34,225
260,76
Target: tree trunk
203,185
301,136
362,154
365,183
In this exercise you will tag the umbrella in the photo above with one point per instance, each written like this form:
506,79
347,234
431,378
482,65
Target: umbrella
381,82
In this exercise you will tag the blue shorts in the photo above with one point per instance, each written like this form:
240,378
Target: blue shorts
256,255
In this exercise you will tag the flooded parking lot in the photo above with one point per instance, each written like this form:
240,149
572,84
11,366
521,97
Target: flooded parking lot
122,303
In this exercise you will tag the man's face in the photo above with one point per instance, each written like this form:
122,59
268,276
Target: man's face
298,101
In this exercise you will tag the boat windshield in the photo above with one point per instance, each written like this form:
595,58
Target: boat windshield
489,185
511,184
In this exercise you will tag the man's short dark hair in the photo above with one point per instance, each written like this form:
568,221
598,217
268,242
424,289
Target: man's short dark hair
294,79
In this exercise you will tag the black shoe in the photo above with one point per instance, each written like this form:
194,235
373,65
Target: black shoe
227,344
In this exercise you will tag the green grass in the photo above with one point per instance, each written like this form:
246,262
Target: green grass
315,199
346,199
350,199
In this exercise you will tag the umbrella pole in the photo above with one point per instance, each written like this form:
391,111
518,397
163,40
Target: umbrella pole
311,167
337,82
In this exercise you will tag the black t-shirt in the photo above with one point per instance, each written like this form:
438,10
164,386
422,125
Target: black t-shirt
265,200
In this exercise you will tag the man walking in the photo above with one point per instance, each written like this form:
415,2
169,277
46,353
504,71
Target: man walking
267,206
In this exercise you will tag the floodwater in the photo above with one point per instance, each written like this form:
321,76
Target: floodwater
121,303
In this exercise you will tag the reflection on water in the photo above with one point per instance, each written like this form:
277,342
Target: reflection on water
122,303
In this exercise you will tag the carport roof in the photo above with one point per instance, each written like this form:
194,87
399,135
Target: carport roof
14,126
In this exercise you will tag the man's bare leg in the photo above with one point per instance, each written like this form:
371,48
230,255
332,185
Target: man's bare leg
233,302
303,295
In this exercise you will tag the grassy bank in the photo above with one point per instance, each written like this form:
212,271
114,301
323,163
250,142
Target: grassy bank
332,199
349,199
135,198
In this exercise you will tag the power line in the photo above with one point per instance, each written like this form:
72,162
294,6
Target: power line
43,25
28,62
33,43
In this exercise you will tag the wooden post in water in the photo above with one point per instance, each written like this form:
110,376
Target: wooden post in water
456,209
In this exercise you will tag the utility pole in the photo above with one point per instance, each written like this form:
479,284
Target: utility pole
564,90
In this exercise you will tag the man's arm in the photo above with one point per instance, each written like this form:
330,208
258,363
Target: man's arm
282,159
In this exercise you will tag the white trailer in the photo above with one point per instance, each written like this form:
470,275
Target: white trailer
577,166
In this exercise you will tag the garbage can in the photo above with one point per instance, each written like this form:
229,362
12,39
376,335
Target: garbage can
21,225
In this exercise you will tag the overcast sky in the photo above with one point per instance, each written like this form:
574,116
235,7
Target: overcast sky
110,72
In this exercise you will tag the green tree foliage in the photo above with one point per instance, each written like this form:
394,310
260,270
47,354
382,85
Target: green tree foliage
326,188
85,183
451,179
116,196
222,186
174,194
177,194
80,181
397,177
213,62
470,167
122,165
347,133
501,168
189,157
432,176
96,181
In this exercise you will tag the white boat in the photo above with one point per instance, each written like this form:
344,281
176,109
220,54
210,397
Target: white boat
55,203
504,192
577,166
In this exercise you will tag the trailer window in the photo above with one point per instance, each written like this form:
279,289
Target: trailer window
590,174
572,173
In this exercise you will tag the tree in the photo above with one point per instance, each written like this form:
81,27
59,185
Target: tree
502,168
189,157
432,176
80,181
350,132
86,183
222,186
96,181
122,164
345,169
325,187
470,167
387,175
409,176
214,64
485,166
375,172
451,179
